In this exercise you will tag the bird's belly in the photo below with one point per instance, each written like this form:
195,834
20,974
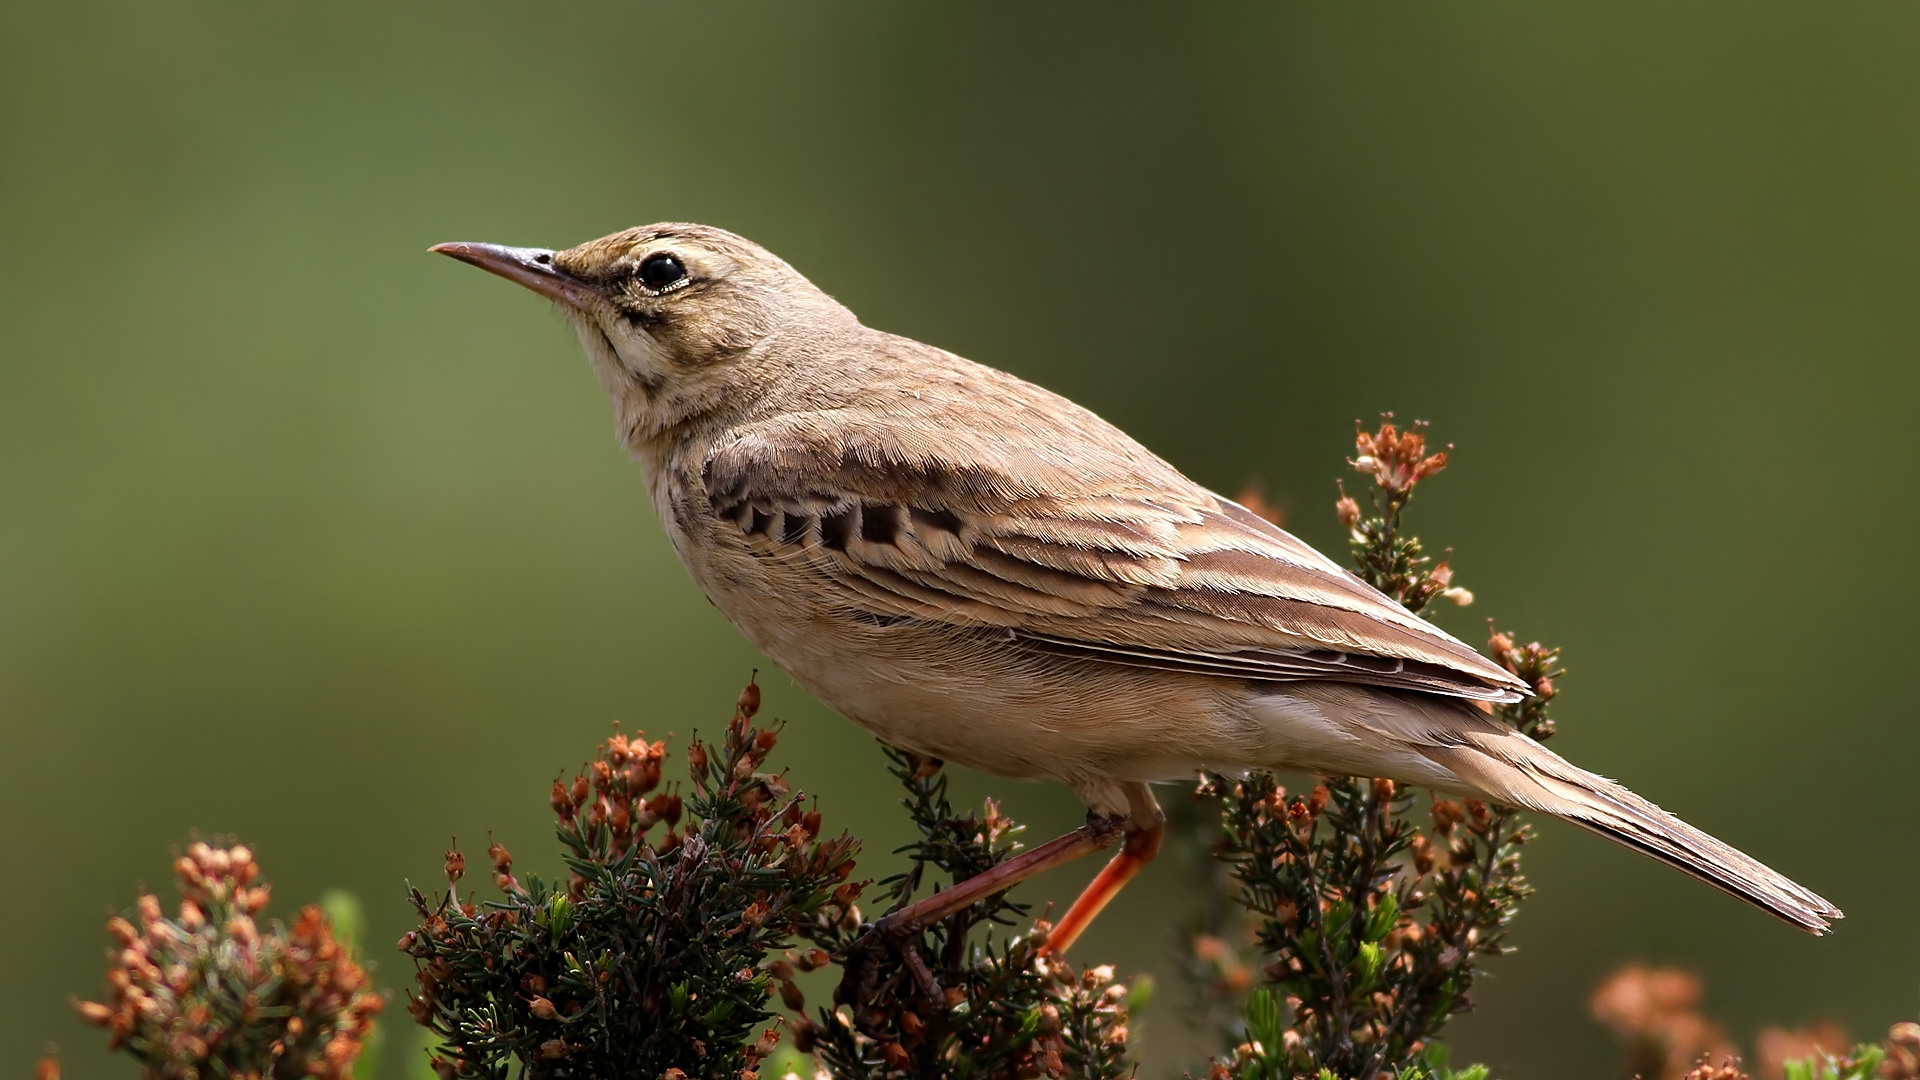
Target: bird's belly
979,699
912,697
974,696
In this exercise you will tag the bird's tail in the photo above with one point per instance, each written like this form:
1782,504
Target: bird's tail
1511,768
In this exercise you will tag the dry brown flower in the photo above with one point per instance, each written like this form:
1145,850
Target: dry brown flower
1396,459
211,993
662,947
1903,1053
1653,1010
1774,1047
1728,1069
1255,500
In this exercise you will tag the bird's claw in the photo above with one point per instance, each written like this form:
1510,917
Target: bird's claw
862,985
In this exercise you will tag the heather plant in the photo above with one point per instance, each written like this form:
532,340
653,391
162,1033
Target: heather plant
653,958
1371,923
970,997
1656,1014
1347,925
211,992
683,916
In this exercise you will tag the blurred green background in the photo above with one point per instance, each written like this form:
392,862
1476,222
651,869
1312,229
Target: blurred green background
308,535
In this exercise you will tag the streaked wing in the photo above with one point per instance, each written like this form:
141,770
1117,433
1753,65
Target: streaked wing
938,523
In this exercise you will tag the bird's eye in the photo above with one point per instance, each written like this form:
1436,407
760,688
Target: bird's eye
660,271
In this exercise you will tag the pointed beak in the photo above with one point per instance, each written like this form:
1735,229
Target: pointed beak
531,267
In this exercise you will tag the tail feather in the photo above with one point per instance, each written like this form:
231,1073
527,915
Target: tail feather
1510,768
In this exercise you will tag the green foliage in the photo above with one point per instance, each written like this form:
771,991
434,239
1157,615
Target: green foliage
1374,936
348,917
654,957
1006,1010
1269,1053
1864,1063
1432,1065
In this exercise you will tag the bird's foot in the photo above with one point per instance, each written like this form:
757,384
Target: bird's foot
867,982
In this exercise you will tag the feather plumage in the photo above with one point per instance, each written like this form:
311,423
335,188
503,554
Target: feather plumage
978,569
1157,573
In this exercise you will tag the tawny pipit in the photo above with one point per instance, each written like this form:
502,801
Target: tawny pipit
978,570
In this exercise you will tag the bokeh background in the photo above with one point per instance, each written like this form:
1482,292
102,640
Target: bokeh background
310,536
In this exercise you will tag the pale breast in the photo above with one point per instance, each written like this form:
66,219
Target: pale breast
976,697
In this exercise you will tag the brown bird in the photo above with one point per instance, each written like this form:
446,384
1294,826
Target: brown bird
981,571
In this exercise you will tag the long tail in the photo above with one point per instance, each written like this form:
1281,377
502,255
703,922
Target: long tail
1510,768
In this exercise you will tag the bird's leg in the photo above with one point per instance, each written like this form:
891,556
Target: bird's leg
1097,834
898,930
1144,829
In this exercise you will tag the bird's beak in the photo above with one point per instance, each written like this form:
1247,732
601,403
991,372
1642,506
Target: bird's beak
531,267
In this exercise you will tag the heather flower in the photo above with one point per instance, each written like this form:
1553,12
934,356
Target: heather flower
211,992
657,954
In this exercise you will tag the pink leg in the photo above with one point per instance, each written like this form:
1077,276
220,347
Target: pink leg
1141,845
1094,836
899,930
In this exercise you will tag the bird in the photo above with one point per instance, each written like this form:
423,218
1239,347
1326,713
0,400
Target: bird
979,571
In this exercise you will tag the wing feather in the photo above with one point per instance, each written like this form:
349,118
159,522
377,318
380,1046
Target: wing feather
1152,570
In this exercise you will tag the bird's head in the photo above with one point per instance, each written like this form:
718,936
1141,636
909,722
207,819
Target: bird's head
679,320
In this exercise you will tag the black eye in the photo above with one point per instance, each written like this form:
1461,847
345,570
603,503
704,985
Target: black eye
660,271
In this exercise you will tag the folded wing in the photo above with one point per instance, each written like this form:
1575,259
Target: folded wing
1088,547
